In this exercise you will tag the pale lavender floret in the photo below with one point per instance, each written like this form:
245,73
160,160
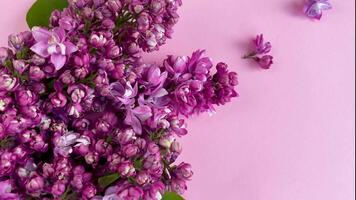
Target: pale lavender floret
53,44
314,8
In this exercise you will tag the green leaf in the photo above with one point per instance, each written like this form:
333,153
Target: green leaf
138,164
41,10
171,196
105,181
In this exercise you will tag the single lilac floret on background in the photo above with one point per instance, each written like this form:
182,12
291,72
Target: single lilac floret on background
260,51
314,8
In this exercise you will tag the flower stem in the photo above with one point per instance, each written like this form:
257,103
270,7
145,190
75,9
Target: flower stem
250,55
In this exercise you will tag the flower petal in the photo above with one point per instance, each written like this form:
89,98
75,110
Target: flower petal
41,34
58,61
40,49
60,33
133,121
70,48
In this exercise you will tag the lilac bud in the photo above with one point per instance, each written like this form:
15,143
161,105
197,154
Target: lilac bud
184,171
54,18
118,71
81,124
38,144
143,22
97,41
101,79
36,74
5,54
35,185
140,143
7,163
47,170
25,97
2,132
106,64
92,158
166,141
77,93
82,61
265,62
109,24
58,188
31,112
16,41
88,13
176,147
130,150
7,82
67,78
58,100
5,191
26,136
114,5
38,60
125,136
20,152
18,125
155,191
49,69
113,52
153,148
4,103
89,192
67,23
114,160
178,186
103,147
19,65
142,178
126,169
81,73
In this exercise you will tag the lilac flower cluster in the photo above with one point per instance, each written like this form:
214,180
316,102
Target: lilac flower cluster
81,117
260,52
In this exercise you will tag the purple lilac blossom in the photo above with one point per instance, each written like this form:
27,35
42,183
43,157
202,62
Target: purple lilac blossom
314,8
260,51
81,104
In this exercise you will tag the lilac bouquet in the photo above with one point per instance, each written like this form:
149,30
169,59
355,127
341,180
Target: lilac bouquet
82,117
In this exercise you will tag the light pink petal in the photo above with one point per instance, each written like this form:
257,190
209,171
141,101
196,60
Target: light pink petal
133,121
41,34
58,61
70,48
325,6
143,112
60,33
40,48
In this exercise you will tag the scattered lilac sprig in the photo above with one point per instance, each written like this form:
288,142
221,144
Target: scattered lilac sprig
81,117
259,54
314,8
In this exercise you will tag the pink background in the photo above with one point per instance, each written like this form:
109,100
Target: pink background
290,136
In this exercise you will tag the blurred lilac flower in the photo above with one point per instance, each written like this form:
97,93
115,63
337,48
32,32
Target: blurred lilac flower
53,44
265,61
314,8
5,191
261,46
260,51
